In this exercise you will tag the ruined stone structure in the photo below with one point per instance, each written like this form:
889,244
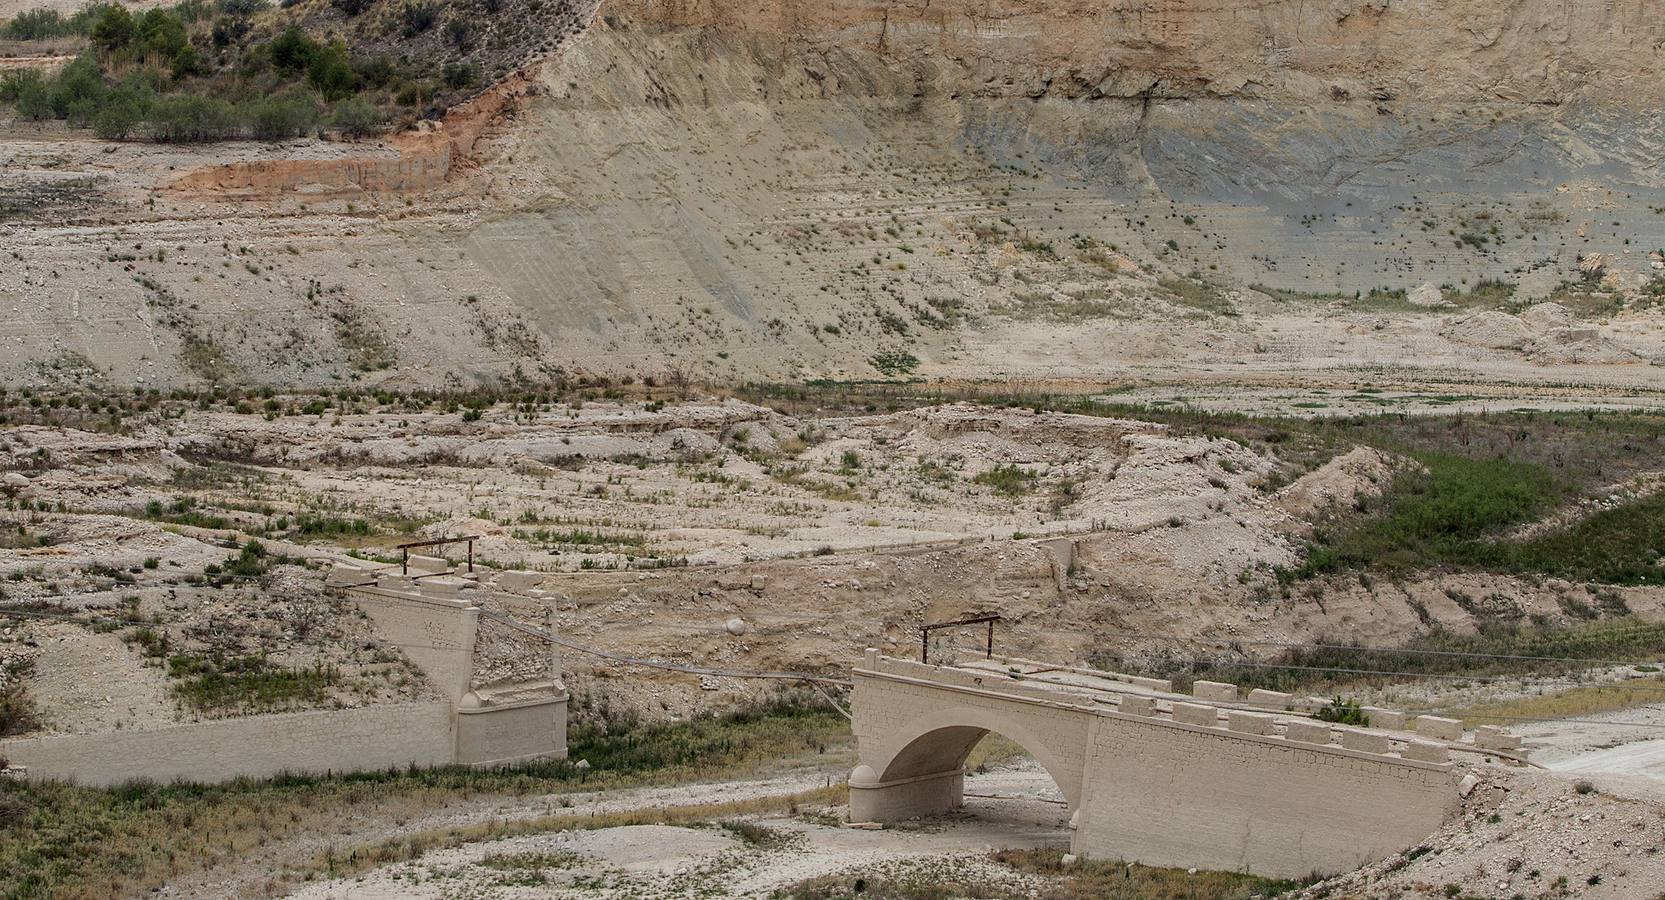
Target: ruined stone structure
509,698
1208,779
497,701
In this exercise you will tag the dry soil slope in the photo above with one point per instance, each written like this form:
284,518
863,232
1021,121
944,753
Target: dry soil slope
787,189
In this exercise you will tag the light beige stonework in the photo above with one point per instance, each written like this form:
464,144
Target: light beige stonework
375,737
1161,788
1439,729
1214,691
1391,719
436,623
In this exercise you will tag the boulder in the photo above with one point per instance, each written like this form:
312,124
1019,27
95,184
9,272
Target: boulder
1547,315
1426,294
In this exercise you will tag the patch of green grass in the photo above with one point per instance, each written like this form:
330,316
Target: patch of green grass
218,684
1198,294
1007,480
1114,880
1587,298
183,512
1487,293
582,537
1453,514
17,709
1087,878
894,362
1505,648
1443,514
62,840
311,526
1623,545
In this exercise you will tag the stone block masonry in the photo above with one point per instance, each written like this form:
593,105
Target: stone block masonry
435,621
375,737
1180,785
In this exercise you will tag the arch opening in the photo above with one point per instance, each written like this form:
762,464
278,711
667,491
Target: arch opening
1012,793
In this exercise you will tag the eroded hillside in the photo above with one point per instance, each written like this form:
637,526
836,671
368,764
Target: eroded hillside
727,191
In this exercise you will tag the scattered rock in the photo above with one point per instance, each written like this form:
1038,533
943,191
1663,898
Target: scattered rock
1427,294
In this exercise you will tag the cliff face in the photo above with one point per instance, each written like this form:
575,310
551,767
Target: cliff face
1533,51
736,189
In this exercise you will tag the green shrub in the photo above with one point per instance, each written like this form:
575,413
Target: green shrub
186,119
356,117
330,73
291,52
457,75
161,34
417,17
114,28
26,90
37,25
78,86
1343,712
1008,480
281,117
121,115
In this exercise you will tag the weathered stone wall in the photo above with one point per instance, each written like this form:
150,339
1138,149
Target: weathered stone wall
496,736
431,624
1170,794
371,737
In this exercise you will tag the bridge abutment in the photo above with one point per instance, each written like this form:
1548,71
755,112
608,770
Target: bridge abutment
931,794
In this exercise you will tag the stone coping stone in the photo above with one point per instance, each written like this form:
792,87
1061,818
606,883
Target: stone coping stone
1365,741
1391,719
1251,722
1439,728
1270,699
1194,714
1308,732
1426,751
1217,691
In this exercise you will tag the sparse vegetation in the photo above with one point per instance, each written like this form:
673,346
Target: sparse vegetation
1007,480
131,839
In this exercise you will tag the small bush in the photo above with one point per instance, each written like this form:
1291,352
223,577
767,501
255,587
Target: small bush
1343,712
185,119
417,17
282,117
1008,480
355,118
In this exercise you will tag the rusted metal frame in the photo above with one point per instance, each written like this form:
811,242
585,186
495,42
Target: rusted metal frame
925,634
405,549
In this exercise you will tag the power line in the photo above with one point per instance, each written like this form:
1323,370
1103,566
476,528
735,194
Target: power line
243,631
978,651
1386,650
657,664
1220,661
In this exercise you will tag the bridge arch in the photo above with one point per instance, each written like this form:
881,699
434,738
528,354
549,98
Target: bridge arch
916,766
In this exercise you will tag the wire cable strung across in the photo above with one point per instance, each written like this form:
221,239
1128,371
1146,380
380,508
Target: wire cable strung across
812,678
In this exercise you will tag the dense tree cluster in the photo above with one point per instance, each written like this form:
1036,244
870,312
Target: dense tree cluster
198,71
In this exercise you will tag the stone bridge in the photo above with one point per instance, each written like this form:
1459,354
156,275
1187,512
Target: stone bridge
1209,779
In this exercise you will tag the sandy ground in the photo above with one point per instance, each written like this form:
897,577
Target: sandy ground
86,682
1018,808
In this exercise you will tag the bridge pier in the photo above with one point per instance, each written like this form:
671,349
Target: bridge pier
932,794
